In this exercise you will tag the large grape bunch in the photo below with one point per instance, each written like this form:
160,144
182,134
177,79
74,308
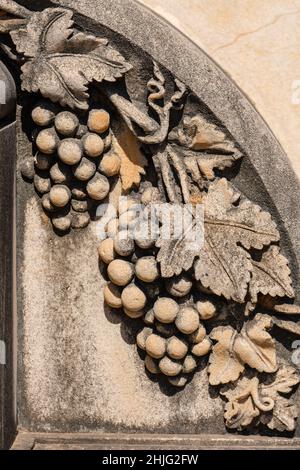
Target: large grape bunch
173,338
71,167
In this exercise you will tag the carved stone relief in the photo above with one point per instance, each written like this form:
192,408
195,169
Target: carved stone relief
216,303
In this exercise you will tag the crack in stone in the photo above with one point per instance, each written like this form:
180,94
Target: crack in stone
239,36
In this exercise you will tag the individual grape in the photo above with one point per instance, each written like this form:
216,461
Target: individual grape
43,161
70,151
47,141
79,206
146,269
165,310
201,349
142,336
206,310
145,232
93,145
189,364
178,381
155,346
169,367
43,113
144,243
133,315
187,320
60,195
124,246
120,272
27,168
98,187
176,348
60,173
42,184
66,123
151,365
46,203
84,170
61,222
110,164
112,228
98,121
133,298
198,335
112,295
179,286
106,250
80,220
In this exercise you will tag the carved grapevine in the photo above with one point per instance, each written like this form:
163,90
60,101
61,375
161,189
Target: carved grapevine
196,300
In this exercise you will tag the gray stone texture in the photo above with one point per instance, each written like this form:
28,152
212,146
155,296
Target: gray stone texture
79,369
7,187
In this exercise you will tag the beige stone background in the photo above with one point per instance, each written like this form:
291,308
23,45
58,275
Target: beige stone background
257,42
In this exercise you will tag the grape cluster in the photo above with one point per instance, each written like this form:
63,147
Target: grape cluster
174,336
72,163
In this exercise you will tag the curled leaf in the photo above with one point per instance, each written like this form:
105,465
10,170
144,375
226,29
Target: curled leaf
253,346
224,365
283,416
286,378
243,403
196,133
251,402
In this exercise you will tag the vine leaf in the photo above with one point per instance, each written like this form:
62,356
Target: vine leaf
241,408
204,147
248,399
231,227
224,365
284,413
62,63
271,275
286,325
253,346
207,162
178,253
286,378
283,416
196,133
133,162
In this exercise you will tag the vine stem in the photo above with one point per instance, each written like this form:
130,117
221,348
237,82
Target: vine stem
11,7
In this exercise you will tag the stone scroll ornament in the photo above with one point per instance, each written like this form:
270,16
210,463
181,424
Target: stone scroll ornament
221,299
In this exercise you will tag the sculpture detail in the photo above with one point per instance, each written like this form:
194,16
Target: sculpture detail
195,300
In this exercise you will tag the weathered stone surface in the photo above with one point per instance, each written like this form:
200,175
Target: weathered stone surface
88,338
7,277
